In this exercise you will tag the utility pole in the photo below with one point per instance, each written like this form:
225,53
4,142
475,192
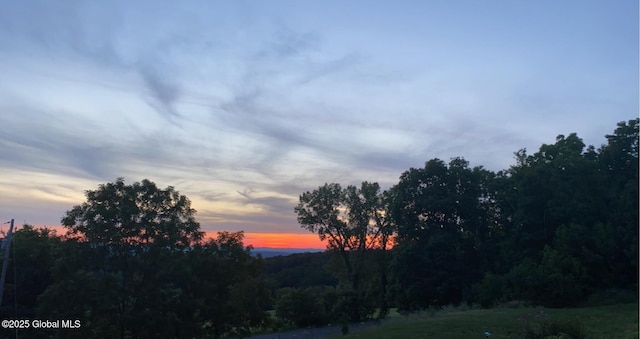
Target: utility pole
5,261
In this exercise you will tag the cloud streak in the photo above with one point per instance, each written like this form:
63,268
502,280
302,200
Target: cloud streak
244,107
163,93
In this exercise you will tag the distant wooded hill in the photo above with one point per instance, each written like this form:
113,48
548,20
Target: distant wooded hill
267,252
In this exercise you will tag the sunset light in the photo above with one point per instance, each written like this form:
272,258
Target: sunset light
284,240
274,169
257,240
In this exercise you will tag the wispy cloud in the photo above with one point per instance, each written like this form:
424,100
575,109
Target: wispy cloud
163,92
243,107
256,222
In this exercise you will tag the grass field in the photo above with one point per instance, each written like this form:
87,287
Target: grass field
615,321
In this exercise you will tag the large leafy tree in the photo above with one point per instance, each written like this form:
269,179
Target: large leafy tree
134,264
618,160
223,288
557,185
570,215
141,214
125,242
354,222
34,251
443,225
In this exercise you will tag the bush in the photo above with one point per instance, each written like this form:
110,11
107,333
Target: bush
557,280
490,291
315,306
539,326
564,280
300,307
352,306
558,329
524,280
612,297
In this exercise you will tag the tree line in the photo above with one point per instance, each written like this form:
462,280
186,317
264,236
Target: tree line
134,264
554,229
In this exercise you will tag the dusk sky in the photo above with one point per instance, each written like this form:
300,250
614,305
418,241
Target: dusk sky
244,105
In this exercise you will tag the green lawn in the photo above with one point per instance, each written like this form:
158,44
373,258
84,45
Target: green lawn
615,321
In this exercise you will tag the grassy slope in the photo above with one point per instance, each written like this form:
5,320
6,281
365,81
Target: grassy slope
616,321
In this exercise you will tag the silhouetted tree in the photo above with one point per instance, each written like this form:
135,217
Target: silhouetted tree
224,286
33,253
442,213
354,221
134,264
570,216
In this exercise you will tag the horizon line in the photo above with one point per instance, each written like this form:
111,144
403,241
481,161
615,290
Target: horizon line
274,240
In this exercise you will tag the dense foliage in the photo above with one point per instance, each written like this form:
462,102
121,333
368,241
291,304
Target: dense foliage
299,270
354,221
134,265
565,221
558,228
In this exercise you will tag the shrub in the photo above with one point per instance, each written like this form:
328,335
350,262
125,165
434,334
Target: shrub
563,279
490,291
539,326
300,307
612,297
557,280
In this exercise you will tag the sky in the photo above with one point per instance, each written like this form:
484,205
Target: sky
244,105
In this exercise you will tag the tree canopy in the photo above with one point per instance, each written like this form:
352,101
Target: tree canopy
354,222
558,228
134,264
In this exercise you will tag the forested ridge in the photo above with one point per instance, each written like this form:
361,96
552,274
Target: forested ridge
557,228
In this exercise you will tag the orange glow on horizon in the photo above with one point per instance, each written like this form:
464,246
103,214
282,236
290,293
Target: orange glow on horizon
272,240
280,240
